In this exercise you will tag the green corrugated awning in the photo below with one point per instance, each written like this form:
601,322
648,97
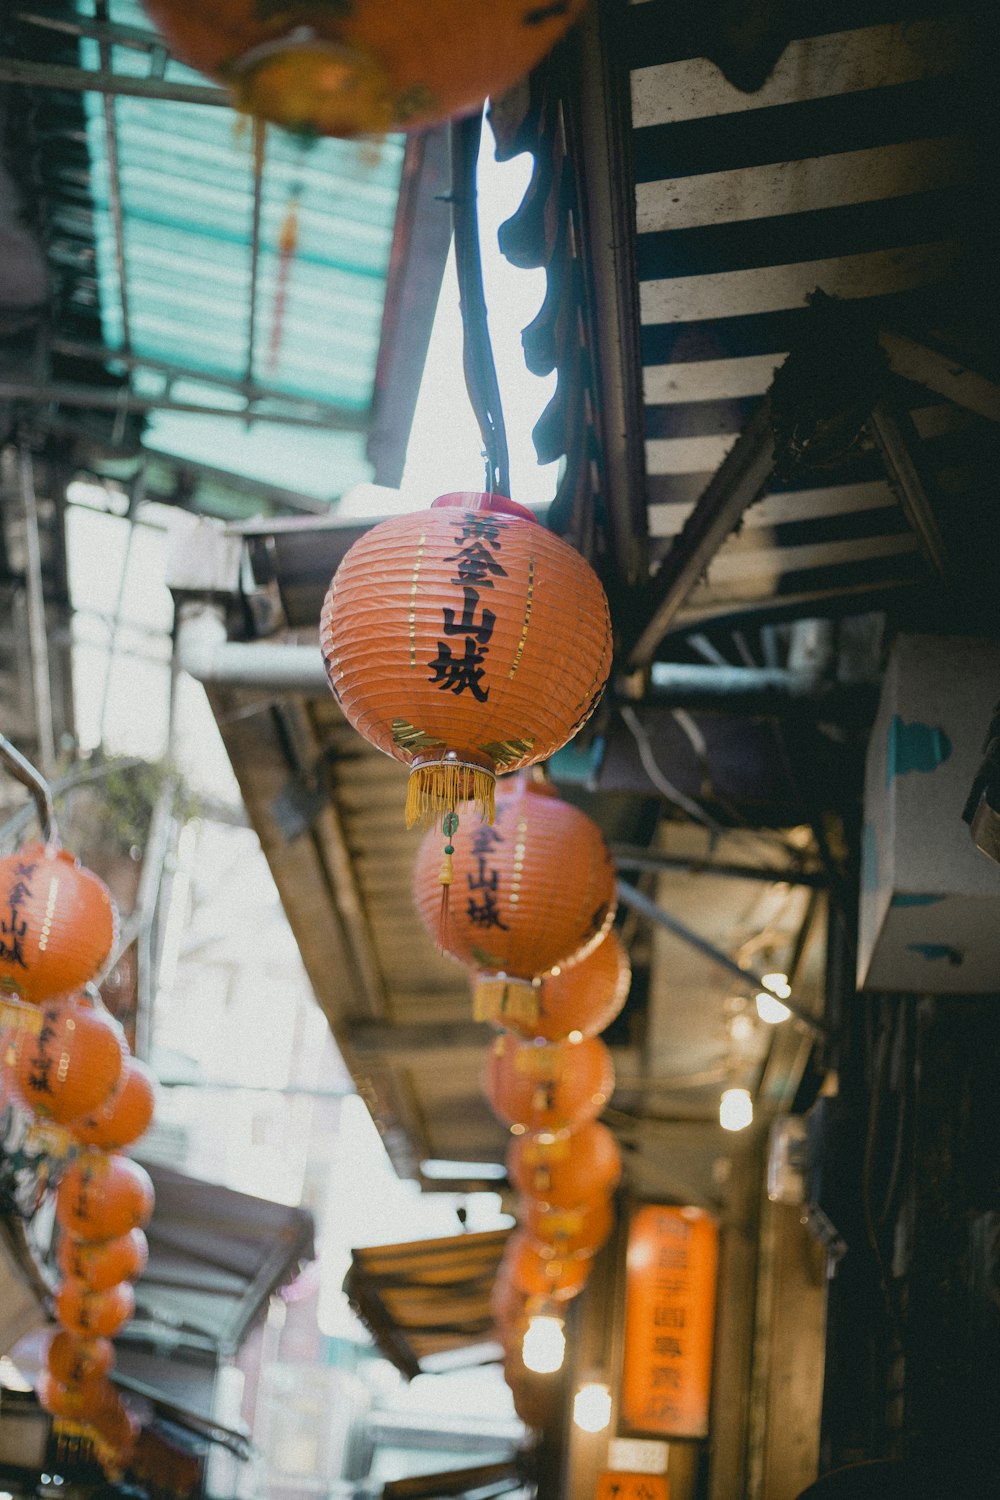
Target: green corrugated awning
210,315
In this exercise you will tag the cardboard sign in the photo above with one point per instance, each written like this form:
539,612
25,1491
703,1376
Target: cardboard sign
619,1486
671,1267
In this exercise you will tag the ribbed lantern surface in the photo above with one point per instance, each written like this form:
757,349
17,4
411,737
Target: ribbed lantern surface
57,923
81,1309
125,1116
554,1086
582,998
466,641
71,1065
77,1401
368,66
102,1263
102,1197
567,1169
536,888
567,1232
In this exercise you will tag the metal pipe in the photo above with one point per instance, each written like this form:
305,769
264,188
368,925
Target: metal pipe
22,770
627,857
748,978
104,81
66,394
206,653
37,634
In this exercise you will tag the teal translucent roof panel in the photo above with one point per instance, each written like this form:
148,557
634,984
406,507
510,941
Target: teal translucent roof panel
303,326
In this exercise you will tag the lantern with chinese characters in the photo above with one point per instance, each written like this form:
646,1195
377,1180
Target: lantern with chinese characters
57,923
103,1197
567,1232
72,1064
533,1275
566,1169
73,1360
102,1263
579,1000
366,67
125,1115
535,889
465,641
96,1314
554,1086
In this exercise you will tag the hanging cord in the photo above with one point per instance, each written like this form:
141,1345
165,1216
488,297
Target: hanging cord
23,771
480,370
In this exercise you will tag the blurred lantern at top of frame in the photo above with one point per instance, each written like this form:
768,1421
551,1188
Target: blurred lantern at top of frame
568,1168
547,1087
125,1115
535,889
72,1064
363,68
466,641
580,1000
102,1197
58,923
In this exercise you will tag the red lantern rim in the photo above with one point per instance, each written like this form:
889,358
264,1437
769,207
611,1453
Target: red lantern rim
483,500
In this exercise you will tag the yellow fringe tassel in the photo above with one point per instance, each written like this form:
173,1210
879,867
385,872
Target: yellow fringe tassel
502,1000
19,1015
440,787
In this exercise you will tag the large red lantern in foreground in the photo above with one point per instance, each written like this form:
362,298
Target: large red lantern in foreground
125,1116
547,1087
103,1197
465,640
534,890
567,1169
57,920
72,1064
365,67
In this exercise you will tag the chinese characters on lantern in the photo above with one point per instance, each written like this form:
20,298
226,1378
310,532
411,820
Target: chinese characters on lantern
622,1486
484,881
14,929
671,1270
460,669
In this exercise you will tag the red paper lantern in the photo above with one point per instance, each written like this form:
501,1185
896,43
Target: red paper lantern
367,67
78,1401
97,1314
532,1275
567,1232
103,1197
58,923
534,890
567,1169
548,1087
72,1064
465,641
125,1116
581,999
102,1263
73,1360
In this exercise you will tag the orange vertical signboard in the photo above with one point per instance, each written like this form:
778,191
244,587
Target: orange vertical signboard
671,1266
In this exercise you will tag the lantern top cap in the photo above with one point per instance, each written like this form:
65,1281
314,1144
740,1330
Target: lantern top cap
482,500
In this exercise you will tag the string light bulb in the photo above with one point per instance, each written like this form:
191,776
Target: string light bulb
770,1008
735,1109
544,1346
592,1407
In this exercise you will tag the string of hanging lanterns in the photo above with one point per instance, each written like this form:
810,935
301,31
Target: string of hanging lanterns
65,1062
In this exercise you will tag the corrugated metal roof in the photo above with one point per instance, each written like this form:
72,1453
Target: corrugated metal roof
209,311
